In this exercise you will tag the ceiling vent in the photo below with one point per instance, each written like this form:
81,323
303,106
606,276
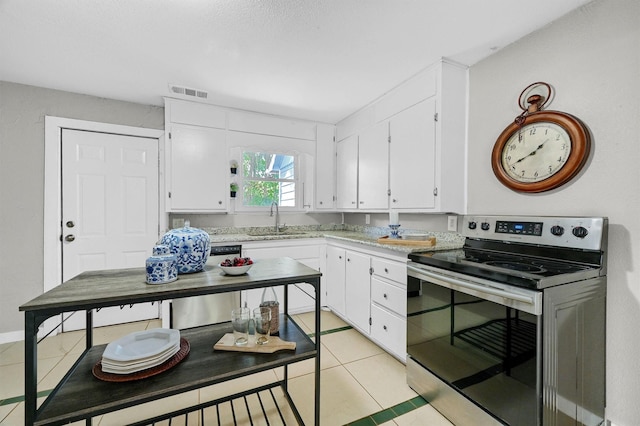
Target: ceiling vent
187,91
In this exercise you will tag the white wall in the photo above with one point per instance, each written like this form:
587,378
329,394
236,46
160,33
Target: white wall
22,111
592,59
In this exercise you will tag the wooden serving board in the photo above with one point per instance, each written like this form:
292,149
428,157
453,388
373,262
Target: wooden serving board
429,242
226,343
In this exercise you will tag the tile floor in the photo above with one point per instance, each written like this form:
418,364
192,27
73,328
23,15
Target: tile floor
360,383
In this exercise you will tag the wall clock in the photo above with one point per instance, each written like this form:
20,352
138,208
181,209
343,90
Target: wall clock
540,150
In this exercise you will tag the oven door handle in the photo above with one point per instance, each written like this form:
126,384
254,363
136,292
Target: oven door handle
458,284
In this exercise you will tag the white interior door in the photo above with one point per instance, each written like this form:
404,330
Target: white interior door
110,216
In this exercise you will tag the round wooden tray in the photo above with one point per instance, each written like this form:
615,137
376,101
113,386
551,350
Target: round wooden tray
143,374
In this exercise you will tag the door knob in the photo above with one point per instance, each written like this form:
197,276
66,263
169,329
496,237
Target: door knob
70,237
70,224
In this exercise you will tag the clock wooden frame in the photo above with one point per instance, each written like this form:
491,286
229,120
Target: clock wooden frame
580,149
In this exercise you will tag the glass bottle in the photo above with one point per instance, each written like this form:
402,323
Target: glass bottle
270,300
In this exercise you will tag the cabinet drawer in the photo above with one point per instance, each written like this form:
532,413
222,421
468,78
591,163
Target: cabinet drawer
387,295
395,271
389,330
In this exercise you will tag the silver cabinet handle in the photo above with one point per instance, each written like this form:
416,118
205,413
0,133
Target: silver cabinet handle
70,237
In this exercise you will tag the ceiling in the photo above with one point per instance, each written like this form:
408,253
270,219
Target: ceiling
320,60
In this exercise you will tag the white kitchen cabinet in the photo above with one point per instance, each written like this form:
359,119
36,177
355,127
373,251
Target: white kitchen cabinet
347,173
325,168
334,279
373,168
389,305
197,169
412,157
368,289
306,251
426,116
357,289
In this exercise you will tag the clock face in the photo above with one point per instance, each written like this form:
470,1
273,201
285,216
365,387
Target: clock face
536,152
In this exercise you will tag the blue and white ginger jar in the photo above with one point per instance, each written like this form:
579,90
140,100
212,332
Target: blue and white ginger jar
162,267
191,247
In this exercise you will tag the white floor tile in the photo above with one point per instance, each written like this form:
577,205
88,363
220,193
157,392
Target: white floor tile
349,345
342,399
383,377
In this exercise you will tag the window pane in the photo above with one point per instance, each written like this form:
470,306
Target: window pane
268,178
264,165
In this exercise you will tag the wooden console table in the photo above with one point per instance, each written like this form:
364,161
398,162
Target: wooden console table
79,395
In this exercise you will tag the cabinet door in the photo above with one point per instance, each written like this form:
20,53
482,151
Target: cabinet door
335,279
413,157
198,169
347,173
373,167
358,290
325,169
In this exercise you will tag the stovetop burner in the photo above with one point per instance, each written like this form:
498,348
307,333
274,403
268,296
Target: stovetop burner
517,266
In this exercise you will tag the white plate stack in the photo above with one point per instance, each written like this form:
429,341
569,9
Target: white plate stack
140,350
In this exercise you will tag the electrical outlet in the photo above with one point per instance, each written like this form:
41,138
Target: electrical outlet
367,219
177,223
452,223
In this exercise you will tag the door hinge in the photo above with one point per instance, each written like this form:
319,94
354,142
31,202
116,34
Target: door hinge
334,198
169,194
371,271
435,117
389,138
370,323
435,192
169,135
389,192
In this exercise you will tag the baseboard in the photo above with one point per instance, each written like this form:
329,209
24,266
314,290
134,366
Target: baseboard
12,336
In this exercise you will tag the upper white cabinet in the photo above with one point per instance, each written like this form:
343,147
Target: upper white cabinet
325,168
200,139
373,168
197,169
426,121
347,173
413,157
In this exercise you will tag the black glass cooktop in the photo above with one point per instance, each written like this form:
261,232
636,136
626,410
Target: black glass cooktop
521,270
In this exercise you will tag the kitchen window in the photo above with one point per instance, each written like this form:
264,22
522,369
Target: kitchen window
268,177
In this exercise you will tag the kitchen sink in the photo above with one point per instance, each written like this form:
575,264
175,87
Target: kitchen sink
275,234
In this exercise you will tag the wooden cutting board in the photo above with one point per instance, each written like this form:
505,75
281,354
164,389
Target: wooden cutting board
226,343
429,242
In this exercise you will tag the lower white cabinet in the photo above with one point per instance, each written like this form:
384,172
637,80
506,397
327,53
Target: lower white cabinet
368,289
389,316
334,279
357,272
301,296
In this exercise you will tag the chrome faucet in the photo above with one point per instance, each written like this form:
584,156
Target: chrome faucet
277,227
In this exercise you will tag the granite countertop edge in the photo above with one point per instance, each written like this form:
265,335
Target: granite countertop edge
364,235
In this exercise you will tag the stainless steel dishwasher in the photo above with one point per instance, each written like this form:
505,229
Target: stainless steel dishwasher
210,309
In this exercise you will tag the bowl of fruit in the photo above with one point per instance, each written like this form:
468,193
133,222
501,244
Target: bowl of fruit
236,266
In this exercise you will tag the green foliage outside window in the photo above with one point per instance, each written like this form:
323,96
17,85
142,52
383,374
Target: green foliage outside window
265,176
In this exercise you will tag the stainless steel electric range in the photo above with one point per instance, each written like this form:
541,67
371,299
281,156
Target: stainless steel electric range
510,329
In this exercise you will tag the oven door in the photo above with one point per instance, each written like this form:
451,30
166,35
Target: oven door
476,341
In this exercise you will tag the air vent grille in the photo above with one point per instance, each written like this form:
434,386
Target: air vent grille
187,91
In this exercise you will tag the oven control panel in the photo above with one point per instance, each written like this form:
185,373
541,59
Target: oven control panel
589,233
525,228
